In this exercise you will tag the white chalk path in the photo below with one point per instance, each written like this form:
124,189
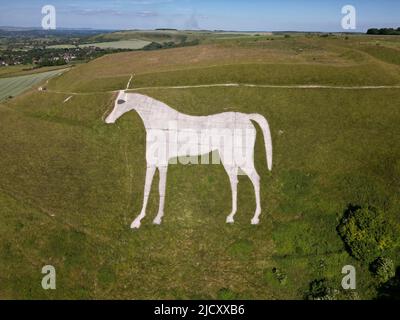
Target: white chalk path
129,82
235,85
270,86
66,100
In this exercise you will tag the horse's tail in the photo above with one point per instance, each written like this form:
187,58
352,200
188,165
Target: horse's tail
263,123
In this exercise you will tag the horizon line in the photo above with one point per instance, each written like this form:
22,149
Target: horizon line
175,29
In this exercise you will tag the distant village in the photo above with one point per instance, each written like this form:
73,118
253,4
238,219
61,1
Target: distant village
41,57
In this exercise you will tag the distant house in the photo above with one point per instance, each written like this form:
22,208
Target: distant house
68,57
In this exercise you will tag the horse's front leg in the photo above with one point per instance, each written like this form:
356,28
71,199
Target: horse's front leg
162,188
147,188
232,173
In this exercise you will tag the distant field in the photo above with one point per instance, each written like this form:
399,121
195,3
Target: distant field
150,36
61,46
6,71
23,70
163,36
123,44
16,85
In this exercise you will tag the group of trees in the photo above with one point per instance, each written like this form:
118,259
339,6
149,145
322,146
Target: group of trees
367,233
384,31
170,44
371,237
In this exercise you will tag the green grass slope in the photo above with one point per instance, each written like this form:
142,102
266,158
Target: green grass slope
70,185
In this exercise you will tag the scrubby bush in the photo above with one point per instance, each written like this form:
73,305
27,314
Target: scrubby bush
320,290
153,46
366,233
279,275
390,290
383,269
323,289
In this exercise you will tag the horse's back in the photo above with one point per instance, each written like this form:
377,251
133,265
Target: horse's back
230,120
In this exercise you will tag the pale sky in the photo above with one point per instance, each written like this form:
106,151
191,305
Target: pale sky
250,15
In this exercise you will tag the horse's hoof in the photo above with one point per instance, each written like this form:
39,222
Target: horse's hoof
135,225
255,222
230,220
157,221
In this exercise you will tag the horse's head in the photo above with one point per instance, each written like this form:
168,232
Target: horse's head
120,108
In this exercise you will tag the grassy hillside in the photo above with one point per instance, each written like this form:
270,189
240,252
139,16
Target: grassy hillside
164,36
70,185
122,44
298,60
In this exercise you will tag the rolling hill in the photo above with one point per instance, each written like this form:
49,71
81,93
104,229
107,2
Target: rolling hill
70,185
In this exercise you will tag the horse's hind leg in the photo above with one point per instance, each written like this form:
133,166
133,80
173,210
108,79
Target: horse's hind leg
255,179
232,173
147,188
162,187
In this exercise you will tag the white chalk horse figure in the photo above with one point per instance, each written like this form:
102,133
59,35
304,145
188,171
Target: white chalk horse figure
182,129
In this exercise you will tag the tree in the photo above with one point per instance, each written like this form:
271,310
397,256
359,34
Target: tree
367,233
383,269
390,290
373,31
320,289
384,31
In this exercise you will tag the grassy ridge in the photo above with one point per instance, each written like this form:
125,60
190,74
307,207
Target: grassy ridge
163,36
123,44
389,55
284,61
70,186
274,74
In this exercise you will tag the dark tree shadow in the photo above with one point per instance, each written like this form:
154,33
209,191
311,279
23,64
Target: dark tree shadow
348,212
351,208
390,290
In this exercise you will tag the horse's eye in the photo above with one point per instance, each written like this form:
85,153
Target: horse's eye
121,101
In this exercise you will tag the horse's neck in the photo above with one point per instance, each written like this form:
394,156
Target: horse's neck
153,112
143,114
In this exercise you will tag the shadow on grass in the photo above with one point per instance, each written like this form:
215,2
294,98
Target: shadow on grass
390,290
